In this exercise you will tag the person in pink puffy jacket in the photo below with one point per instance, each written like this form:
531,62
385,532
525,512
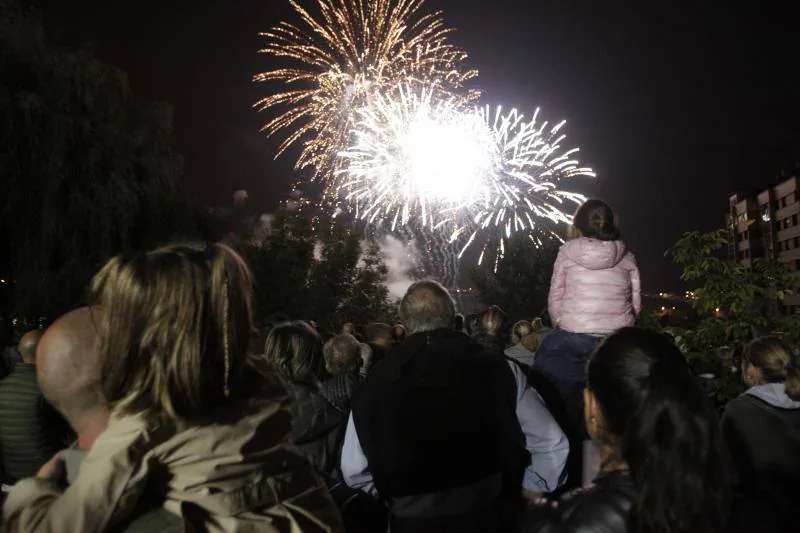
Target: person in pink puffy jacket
595,290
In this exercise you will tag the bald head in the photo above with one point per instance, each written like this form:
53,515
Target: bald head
27,346
68,368
427,306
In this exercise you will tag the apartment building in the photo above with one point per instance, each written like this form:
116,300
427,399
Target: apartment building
766,224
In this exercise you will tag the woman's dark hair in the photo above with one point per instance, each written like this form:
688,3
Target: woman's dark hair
659,420
775,362
596,220
295,348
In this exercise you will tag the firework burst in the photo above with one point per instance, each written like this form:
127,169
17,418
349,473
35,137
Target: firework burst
481,175
415,156
350,52
530,166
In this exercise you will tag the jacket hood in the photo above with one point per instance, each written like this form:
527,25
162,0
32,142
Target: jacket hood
595,255
774,394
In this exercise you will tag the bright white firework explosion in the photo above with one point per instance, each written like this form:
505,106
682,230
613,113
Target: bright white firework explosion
415,156
340,58
482,175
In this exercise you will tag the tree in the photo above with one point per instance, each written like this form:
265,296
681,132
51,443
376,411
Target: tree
86,174
332,278
522,281
736,302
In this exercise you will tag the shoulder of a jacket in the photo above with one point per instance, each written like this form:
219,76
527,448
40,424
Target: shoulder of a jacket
598,505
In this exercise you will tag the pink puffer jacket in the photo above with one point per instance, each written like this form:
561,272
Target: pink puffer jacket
595,287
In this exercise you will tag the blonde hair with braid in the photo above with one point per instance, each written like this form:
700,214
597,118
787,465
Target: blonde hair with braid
174,330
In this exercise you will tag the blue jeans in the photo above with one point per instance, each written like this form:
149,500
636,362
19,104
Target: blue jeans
562,357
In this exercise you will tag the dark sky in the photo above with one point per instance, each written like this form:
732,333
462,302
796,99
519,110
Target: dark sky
675,105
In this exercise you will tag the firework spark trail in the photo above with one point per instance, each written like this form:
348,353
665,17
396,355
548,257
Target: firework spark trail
531,165
350,52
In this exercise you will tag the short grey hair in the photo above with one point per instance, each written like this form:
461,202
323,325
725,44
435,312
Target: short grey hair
342,354
427,306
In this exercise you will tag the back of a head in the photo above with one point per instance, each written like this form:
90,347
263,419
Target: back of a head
68,367
427,306
775,363
295,348
399,333
175,330
379,333
596,220
658,419
342,354
521,329
27,345
494,321
474,324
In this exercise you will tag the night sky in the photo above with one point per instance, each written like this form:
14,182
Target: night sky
675,107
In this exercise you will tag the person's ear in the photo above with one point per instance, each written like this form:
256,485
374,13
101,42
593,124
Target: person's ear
591,412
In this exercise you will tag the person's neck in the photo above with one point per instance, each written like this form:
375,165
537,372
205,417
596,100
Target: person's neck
611,461
90,430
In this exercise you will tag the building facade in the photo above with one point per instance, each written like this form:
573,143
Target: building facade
766,225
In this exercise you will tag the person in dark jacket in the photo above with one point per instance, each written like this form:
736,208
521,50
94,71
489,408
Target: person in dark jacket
9,356
762,430
317,425
663,467
31,431
434,430
347,361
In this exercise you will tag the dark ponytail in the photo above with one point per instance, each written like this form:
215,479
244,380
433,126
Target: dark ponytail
658,419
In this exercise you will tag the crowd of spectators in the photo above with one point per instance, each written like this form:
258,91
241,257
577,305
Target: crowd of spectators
160,407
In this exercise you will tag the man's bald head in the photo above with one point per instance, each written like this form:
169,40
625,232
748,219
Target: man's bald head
27,346
427,306
68,368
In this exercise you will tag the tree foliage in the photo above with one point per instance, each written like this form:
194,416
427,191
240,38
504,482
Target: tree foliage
735,304
521,283
85,173
736,301
331,278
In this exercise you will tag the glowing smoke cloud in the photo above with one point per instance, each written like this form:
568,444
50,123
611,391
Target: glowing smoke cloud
399,258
